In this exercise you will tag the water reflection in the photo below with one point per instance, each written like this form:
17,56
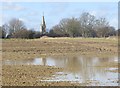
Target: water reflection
92,71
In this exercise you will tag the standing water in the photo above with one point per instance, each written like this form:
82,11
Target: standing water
88,71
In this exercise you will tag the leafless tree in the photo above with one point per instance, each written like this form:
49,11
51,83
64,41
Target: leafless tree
15,25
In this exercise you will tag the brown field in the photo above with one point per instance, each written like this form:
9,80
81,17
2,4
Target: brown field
25,49
26,75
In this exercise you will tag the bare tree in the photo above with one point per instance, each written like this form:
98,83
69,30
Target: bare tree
86,25
87,22
101,27
67,27
15,25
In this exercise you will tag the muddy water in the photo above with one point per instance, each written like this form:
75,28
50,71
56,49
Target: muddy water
80,69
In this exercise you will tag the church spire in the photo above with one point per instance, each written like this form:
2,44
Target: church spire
43,25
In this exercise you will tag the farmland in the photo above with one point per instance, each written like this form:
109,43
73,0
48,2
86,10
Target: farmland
27,49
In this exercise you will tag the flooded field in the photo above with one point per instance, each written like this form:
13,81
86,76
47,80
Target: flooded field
77,69
60,62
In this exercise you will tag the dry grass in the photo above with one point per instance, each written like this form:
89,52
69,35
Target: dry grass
27,49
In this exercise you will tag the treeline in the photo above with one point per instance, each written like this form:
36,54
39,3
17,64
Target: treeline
86,25
16,29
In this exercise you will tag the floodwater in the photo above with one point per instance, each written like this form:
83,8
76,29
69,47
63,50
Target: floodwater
79,69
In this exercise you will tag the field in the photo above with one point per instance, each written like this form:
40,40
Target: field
25,49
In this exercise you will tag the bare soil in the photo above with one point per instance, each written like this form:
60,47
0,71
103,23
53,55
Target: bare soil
24,75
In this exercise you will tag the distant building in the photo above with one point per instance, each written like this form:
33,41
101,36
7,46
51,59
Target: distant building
43,25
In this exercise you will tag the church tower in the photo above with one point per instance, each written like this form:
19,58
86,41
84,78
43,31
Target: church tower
43,25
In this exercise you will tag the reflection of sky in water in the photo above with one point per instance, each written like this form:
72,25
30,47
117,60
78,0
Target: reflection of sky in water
76,69
37,61
50,62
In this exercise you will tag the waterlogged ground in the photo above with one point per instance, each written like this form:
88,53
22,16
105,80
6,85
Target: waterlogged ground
60,62
81,70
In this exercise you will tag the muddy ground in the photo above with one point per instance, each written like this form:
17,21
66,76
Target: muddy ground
25,49
24,75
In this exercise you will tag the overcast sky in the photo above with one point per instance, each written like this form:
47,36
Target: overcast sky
31,12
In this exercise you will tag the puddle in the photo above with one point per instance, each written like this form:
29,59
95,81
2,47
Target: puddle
90,71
